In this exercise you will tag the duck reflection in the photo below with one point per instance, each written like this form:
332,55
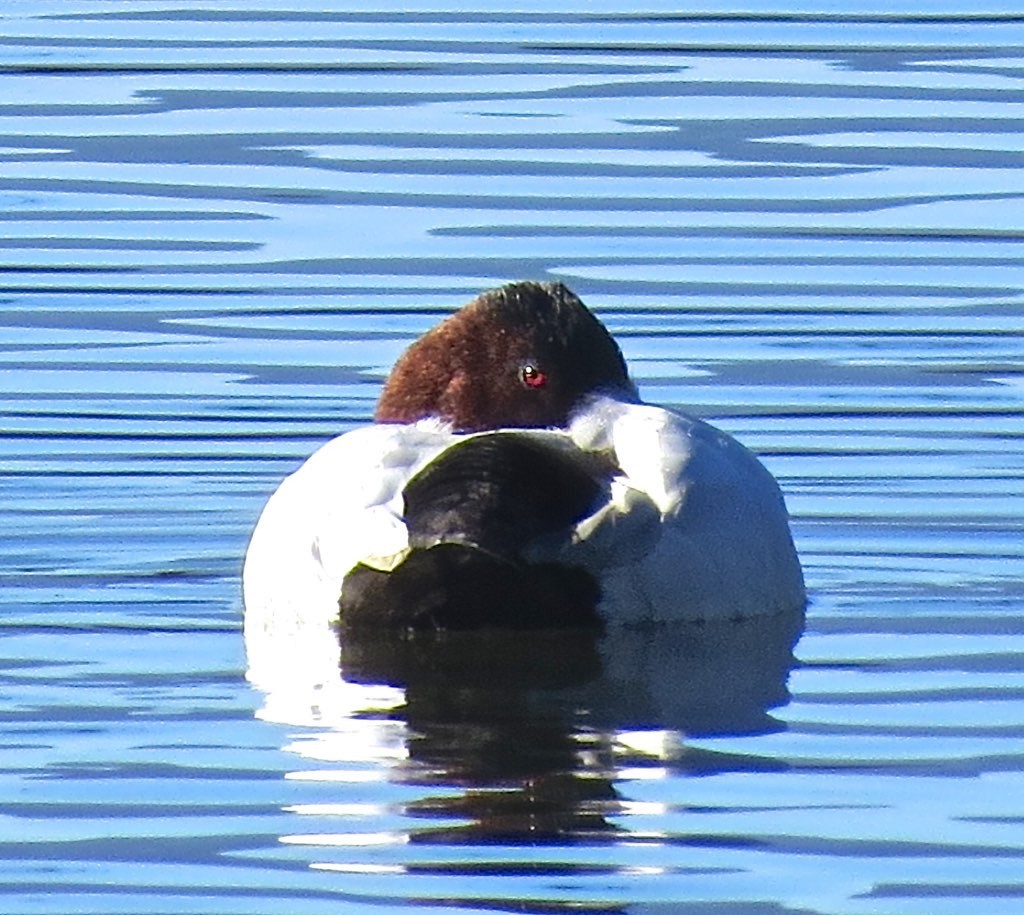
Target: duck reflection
536,727
493,713
532,729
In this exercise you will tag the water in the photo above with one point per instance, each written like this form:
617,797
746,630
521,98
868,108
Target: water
220,224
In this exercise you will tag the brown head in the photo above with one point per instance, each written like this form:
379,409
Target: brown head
522,355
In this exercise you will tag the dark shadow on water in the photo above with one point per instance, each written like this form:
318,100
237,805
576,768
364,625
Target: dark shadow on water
698,678
534,728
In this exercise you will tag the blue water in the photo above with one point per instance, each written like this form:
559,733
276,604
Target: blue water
220,223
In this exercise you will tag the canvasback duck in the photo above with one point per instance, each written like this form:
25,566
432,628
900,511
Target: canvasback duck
513,478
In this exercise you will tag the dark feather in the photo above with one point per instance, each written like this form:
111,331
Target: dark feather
470,514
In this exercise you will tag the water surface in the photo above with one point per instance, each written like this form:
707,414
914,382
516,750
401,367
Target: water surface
220,225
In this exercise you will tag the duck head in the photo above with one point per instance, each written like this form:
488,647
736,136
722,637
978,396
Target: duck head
523,355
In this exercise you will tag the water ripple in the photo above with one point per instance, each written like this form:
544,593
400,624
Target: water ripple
219,227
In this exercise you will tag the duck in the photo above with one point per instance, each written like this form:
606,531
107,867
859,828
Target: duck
512,477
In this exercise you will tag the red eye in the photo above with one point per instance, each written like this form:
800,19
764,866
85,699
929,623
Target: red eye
531,376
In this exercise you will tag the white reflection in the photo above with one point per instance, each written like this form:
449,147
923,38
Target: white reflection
451,741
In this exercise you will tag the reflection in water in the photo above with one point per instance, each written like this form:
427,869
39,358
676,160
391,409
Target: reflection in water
520,737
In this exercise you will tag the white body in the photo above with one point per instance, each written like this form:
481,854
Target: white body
695,527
